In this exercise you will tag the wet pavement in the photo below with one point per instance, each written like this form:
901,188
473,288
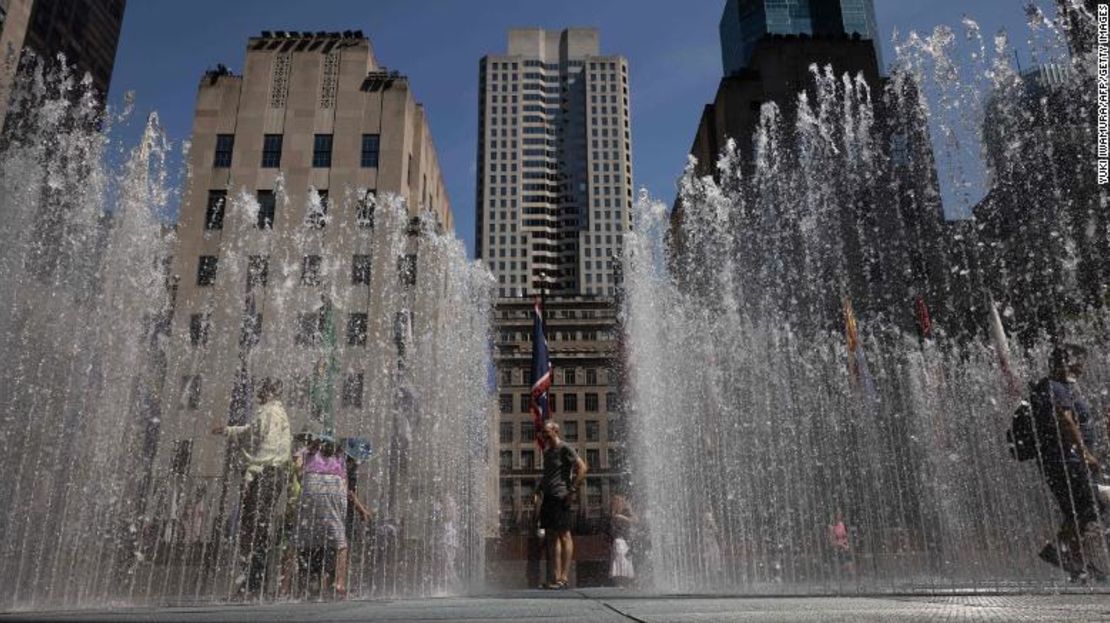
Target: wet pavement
616,605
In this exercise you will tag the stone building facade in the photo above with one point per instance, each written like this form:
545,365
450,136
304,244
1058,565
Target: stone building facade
280,267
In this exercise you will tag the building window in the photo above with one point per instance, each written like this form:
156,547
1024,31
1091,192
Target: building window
570,403
591,402
591,375
214,214
506,377
611,402
616,460
593,430
310,270
370,145
206,270
199,325
352,390
182,457
225,143
507,490
190,389
506,463
251,330
593,492
570,430
266,206
321,151
356,329
506,402
317,216
271,151
308,329
406,269
506,432
593,459
527,432
568,376
258,271
528,460
611,429
360,270
364,210
525,403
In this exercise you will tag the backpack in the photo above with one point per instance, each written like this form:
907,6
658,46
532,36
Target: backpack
1022,436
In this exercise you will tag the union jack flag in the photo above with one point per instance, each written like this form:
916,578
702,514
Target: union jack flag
541,373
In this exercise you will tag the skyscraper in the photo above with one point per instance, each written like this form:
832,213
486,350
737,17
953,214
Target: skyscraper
554,181
768,48
554,193
86,32
745,22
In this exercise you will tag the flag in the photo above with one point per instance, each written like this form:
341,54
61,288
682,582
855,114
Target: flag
541,373
1002,349
327,367
924,322
857,361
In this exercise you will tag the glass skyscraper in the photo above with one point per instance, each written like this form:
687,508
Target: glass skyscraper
745,22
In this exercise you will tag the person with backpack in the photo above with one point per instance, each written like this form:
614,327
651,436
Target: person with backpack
1064,439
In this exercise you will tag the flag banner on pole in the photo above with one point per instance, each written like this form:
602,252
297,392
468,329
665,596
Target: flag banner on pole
921,314
860,375
541,373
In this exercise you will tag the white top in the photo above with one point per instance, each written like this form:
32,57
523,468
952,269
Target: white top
270,442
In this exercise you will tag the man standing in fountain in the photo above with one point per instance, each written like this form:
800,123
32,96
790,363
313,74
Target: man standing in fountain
267,446
563,474
1065,439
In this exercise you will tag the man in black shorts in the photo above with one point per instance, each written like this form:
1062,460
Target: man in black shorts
563,473
1065,439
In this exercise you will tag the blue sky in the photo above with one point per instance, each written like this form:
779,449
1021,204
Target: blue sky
672,47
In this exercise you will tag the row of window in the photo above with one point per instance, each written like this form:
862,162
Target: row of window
510,376
570,402
310,329
350,396
528,459
569,431
316,218
258,270
272,147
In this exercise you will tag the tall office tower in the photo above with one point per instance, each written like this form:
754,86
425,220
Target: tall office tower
767,49
85,31
281,270
554,193
554,181
745,22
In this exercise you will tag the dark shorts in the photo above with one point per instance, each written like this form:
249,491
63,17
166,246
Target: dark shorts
555,514
1071,486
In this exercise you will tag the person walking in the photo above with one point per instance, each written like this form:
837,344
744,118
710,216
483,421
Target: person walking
563,474
1065,438
321,532
841,544
266,444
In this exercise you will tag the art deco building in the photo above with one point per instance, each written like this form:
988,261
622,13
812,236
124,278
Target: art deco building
276,244
85,31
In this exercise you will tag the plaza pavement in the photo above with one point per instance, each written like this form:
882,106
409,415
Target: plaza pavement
610,605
